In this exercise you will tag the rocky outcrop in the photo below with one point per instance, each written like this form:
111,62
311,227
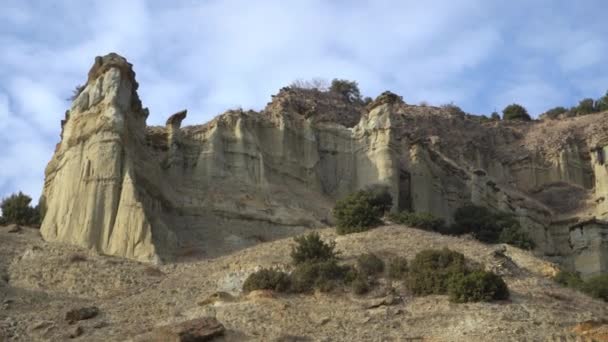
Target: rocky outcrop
154,193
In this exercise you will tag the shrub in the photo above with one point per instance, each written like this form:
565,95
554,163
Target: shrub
310,248
597,287
487,226
477,286
369,264
324,276
515,112
586,106
361,285
454,110
348,89
514,236
495,116
554,113
380,197
421,220
359,212
76,92
478,221
17,209
569,279
397,268
602,103
267,279
431,270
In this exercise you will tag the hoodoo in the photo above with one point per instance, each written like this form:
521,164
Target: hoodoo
123,188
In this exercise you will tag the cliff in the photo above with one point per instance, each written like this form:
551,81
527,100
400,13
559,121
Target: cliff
156,193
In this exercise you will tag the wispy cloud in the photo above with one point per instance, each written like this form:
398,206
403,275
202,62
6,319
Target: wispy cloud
208,56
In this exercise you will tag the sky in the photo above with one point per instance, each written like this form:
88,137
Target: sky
210,56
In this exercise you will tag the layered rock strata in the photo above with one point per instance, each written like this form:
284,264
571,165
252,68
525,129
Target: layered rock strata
155,193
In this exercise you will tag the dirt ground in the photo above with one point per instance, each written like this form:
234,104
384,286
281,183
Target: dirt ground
40,282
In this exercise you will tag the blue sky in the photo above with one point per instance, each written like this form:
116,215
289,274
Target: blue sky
208,56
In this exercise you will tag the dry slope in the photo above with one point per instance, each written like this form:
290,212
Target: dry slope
45,280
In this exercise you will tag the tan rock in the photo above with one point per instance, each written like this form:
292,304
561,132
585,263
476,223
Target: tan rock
119,187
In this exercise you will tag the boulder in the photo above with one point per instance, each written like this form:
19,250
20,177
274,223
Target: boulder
196,330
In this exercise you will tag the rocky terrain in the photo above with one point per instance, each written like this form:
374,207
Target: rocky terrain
153,194
149,232
48,280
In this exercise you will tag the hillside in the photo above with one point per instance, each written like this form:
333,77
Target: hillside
154,194
46,280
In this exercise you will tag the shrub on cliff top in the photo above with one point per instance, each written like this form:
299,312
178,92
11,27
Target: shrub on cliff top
515,112
348,89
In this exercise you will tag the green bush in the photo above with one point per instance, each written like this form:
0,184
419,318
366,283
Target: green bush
515,112
602,103
380,197
479,221
310,248
397,268
17,209
477,286
597,287
586,106
489,226
495,116
554,113
454,110
426,221
360,211
569,279
369,264
513,235
267,279
348,89
324,275
430,271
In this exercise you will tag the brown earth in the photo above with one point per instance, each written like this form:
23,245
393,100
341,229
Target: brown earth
47,280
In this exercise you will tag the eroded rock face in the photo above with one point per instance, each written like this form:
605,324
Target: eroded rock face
152,193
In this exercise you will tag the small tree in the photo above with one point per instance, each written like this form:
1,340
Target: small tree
17,209
431,270
554,113
76,92
454,110
586,106
495,116
310,248
477,286
369,264
267,279
348,89
597,287
602,103
360,211
515,112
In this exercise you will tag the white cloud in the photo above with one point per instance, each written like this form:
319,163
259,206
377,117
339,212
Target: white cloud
208,56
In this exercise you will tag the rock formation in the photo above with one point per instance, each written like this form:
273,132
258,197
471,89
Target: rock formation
153,193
